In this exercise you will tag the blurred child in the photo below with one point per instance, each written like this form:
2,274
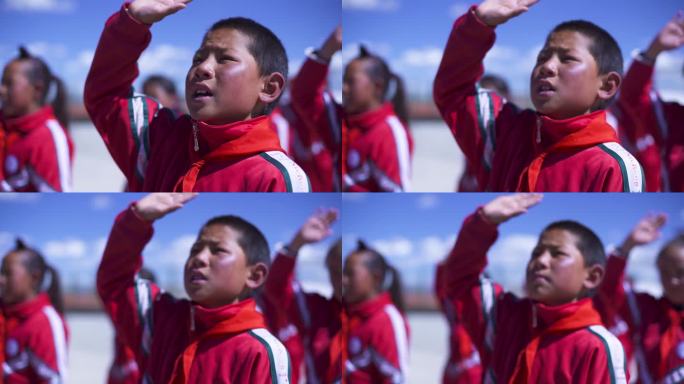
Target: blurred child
36,151
660,122
217,335
316,319
463,363
164,91
316,106
34,333
566,144
377,342
658,329
124,368
226,143
553,336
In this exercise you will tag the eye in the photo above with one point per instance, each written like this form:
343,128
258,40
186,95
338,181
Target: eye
226,58
195,248
198,58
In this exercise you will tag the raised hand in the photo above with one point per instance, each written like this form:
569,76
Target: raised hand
504,208
315,229
495,12
669,38
151,11
646,231
332,44
157,205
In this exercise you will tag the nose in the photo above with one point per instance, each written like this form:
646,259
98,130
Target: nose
205,69
200,259
549,67
540,262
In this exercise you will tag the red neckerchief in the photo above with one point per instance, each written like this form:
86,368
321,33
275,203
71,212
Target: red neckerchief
243,139
367,120
237,318
577,315
27,123
673,334
593,130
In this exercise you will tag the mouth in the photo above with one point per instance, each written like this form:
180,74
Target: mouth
201,93
196,278
538,278
544,88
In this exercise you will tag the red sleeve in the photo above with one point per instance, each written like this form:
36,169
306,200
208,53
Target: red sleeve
391,347
314,105
127,299
51,159
278,291
391,158
636,88
121,116
473,115
611,293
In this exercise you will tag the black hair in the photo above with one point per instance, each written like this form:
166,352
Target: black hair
268,51
251,240
390,279
39,74
491,81
48,277
392,84
589,245
603,48
335,250
676,242
164,82
147,274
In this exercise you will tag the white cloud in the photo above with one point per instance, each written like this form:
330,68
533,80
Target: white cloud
65,249
396,247
58,6
100,202
422,57
371,5
458,9
508,259
47,50
167,59
427,201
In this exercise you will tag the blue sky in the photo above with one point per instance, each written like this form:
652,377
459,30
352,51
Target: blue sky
415,231
412,35
71,230
65,32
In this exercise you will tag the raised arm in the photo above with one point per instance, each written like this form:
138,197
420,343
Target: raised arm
122,117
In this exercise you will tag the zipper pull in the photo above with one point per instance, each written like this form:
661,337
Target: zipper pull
194,134
534,316
538,130
192,318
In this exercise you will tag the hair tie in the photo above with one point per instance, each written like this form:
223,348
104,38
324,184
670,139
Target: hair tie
47,281
388,280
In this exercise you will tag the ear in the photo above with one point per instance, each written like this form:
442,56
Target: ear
272,87
256,275
610,84
594,277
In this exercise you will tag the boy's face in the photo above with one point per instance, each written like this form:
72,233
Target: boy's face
216,271
359,91
18,96
565,80
223,83
17,285
671,267
556,273
358,283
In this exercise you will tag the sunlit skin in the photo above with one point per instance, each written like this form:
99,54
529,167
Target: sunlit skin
359,284
17,284
556,273
565,81
227,72
333,263
359,92
671,268
17,95
216,272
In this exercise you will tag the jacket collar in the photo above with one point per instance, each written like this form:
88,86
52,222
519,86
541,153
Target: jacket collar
545,315
370,119
26,309
552,131
370,307
210,136
205,318
27,123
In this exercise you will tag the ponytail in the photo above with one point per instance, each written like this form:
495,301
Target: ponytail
51,285
390,279
396,93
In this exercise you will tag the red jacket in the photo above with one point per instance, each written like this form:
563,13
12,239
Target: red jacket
659,133
658,342
463,363
506,146
378,344
161,329
38,154
304,322
157,151
502,325
303,145
319,111
35,343
124,368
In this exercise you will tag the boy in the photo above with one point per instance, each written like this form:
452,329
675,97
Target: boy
661,122
566,145
655,324
226,143
316,319
553,336
217,335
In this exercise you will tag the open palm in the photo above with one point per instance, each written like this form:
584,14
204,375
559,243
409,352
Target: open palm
495,12
151,11
504,208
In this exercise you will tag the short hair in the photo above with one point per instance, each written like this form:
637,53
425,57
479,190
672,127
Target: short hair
164,82
605,50
268,51
676,242
589,245
251,240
